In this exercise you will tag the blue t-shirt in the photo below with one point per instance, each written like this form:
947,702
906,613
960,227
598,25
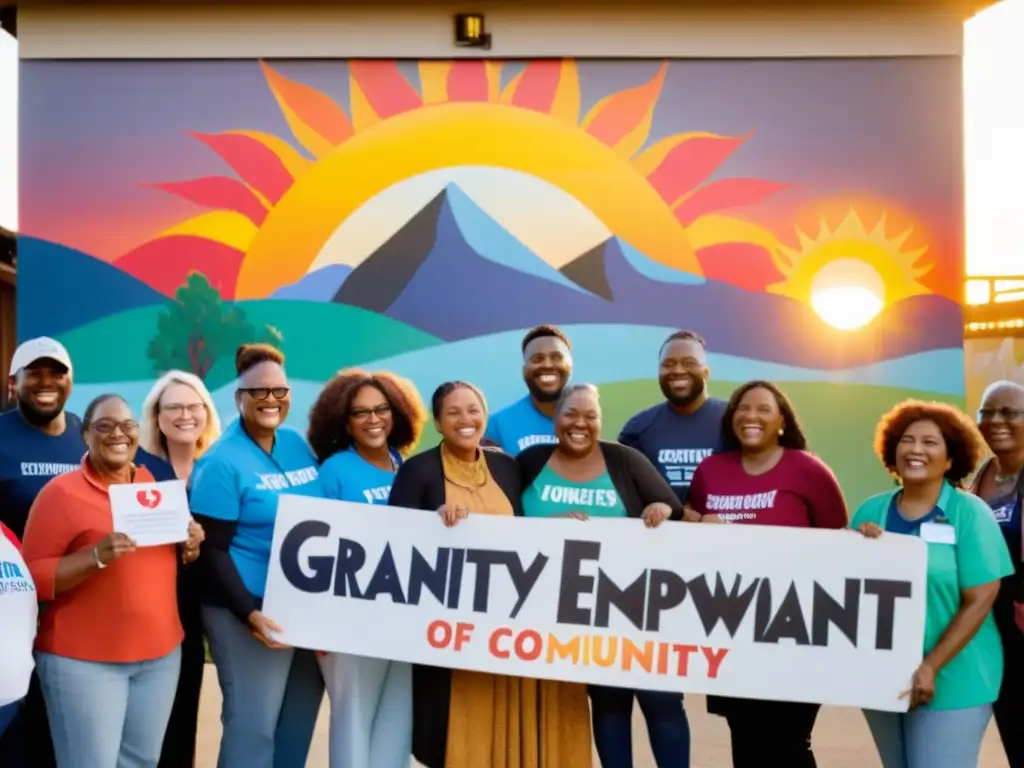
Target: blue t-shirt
676,442
520,425
236,480
29,458
347,476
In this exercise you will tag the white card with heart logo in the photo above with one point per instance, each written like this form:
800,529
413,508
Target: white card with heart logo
152,514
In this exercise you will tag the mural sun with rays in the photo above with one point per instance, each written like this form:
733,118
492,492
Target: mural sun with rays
652,197
420,216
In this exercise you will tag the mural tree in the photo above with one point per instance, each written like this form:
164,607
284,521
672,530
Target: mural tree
199,328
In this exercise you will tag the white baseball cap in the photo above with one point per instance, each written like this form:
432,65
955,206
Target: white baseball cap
39,349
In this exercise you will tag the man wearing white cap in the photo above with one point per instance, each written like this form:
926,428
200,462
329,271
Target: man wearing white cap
38,441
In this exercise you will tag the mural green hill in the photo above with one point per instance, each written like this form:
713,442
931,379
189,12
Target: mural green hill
318,339
826,411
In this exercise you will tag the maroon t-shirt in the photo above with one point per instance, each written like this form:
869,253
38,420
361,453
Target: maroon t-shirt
799,491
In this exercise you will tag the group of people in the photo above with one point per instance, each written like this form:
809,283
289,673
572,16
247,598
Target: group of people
103,642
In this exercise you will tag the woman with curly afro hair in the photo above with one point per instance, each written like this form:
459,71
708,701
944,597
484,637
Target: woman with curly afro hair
360,427
931,448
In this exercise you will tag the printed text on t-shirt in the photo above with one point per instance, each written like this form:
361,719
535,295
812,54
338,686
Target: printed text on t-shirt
750,501
12,579
377,495
280,482
525,442
680,463
583,497
45,468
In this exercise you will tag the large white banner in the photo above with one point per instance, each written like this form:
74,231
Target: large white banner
739,610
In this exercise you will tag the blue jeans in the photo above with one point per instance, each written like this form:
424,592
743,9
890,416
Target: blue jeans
7,714
371,711
929,738
108,714
611,712
271,697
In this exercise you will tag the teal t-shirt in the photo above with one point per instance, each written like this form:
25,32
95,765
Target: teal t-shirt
551,494
978,556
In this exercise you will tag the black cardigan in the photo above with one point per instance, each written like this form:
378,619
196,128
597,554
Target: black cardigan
419,484
636,480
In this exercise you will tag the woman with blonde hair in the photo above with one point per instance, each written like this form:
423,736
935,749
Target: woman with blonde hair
178,424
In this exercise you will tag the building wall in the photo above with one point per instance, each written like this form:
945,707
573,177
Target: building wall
418,215
521,29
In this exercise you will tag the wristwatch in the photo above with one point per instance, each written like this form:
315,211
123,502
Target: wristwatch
96,555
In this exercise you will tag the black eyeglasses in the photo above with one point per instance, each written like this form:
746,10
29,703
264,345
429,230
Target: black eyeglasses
380,411
109,426
262,393
1006,414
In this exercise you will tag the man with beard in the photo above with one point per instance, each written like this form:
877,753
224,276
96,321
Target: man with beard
678,434
675,436
38,441
547,366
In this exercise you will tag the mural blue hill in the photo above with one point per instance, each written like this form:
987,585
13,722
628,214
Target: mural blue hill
420,253
430,276
79,289
319,285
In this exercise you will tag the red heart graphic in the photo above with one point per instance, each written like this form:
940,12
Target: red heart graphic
150,498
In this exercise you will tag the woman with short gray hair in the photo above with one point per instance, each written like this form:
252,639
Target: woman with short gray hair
583,476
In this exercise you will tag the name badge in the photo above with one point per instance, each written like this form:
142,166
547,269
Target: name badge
938,533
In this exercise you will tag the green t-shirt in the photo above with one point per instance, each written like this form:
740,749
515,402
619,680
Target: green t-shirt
551,494
979,556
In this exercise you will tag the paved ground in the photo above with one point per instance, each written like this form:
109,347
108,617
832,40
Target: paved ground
841,739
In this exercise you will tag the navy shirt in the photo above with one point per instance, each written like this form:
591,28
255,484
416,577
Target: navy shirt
676,442
1007,511
897,523
520,425
29,458
161,469
347,476
237,481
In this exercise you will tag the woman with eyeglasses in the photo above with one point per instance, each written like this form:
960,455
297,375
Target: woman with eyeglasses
108,648
361,427
272,692
1000,484
178,424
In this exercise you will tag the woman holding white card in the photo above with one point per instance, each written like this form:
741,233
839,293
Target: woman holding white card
931,448
110,631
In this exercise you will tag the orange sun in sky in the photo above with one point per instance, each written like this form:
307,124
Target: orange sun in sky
265,225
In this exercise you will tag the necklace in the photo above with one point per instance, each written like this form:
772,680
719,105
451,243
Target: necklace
1006,479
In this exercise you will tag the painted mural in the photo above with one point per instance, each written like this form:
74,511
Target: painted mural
988,360
805,216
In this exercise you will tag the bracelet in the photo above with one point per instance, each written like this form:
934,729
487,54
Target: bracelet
96,556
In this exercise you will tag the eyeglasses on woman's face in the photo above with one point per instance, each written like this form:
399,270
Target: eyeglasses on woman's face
263,393
109,426
1003,414
180,409
361,414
